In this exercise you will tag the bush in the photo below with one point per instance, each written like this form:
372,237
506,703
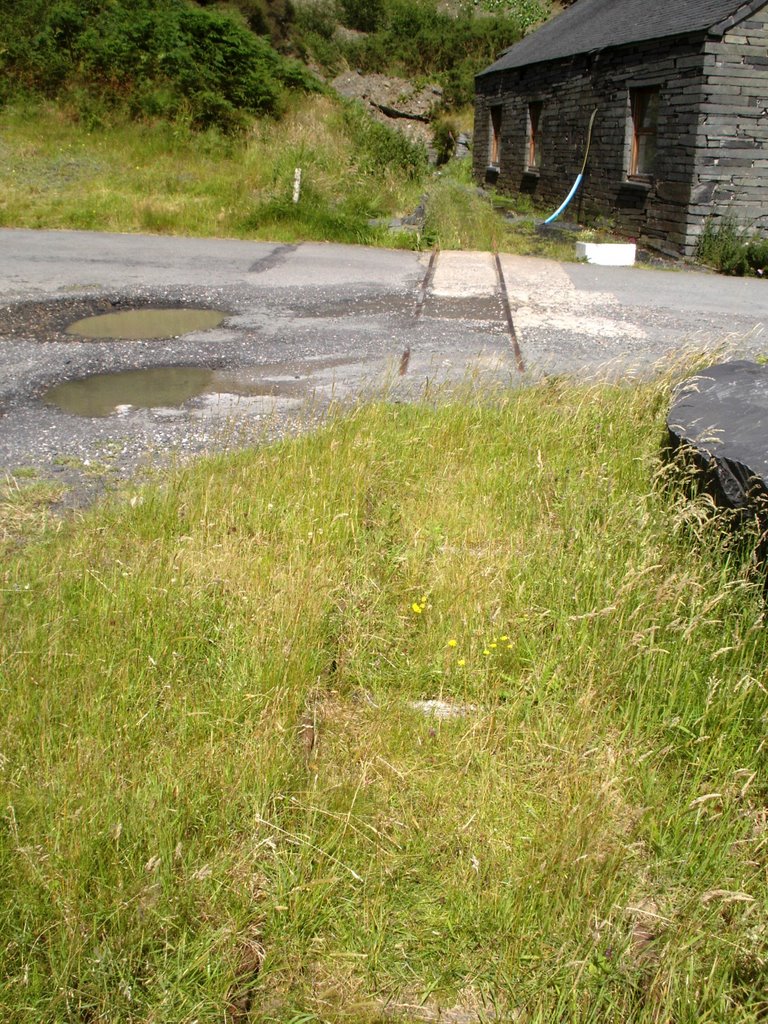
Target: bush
757,256
722,246
130,52
378,145
728,247
364,15
444,135
414,37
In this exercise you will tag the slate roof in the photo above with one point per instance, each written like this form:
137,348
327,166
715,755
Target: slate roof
597,24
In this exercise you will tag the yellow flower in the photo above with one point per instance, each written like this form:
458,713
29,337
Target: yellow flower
416,608
486,651
504,638
493,646
453,643
461,662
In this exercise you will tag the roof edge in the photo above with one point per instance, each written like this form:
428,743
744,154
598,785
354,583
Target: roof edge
703,32
746,9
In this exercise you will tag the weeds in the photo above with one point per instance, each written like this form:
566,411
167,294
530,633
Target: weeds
25,504
731,249
582,838
461,217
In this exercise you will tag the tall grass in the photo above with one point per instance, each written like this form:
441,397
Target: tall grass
219,794
732,248
460,217
163,178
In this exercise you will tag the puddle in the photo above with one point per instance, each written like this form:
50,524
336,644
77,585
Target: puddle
165,387
143,324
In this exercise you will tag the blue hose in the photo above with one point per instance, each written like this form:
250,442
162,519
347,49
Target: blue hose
566,201
578,181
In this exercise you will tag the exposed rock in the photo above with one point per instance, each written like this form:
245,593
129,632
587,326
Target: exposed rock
461,149
393,101
417,218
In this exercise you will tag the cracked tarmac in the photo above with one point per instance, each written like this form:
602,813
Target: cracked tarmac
316,323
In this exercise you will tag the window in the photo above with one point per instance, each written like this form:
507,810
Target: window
495,136
534,137
644,106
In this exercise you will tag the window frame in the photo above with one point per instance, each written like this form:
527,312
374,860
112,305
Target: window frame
533,156
496,117
641,99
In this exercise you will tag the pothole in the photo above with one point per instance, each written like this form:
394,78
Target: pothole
167,387
110,317
146,324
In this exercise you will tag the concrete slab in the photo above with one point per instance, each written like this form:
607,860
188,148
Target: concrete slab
464,275
574,318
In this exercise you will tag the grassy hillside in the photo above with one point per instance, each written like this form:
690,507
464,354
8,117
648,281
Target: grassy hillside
215,64
221,793
164,178
152,58
162,115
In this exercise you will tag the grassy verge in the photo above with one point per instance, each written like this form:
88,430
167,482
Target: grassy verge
220,797
164,178
459,217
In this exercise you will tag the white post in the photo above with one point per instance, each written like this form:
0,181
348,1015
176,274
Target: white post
296,184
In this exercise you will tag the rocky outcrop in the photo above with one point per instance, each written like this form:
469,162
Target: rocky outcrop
393,101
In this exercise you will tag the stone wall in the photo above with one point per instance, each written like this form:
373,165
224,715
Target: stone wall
731,166
655,211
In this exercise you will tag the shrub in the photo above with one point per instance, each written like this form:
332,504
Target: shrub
364,15
444,135
757,256
378,145
722,245
415,37
729,248
128,53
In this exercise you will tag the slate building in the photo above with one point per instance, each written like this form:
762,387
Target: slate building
679,89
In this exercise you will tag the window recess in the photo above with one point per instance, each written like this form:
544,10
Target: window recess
534,135
644,112
495,153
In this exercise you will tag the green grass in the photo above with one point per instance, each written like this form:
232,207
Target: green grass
458,217
25,506
161,178
217,792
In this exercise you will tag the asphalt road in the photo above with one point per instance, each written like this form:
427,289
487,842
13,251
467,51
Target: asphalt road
311,323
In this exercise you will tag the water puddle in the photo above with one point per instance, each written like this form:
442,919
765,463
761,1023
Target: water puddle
166,387
145,324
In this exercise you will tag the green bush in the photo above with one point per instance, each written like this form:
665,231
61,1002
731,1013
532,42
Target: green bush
169,57
415,37
723,245
380,146
364,15
757,256
444,135
730,249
